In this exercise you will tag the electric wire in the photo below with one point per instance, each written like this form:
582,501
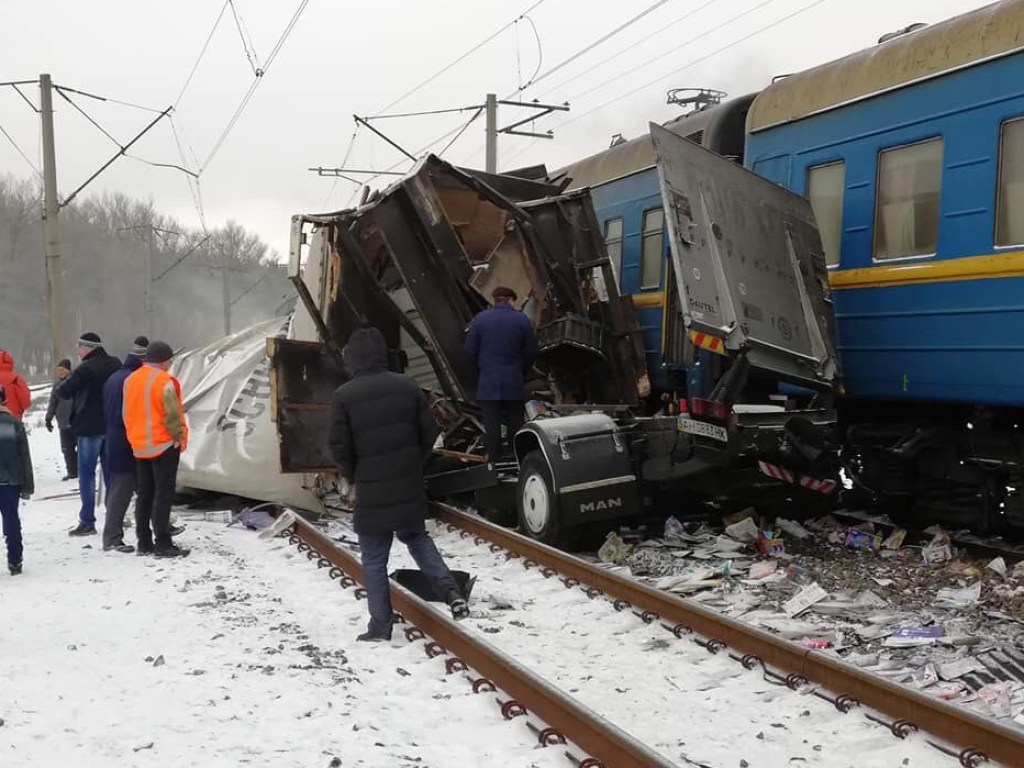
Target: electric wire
255,83
202,54
591,46
462,130
660,56
250,50
678,70
20,151
459,59
628,49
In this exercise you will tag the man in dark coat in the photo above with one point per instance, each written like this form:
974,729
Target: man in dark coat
60,409
85,388
16,480
381,433
120,459
502,344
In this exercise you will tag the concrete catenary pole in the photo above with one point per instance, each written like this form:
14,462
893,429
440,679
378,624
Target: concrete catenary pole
491,110
51,224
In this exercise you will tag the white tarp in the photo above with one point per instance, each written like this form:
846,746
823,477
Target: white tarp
233,443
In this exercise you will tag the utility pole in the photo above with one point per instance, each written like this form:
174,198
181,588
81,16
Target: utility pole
491,129
149,281
51,224
226,289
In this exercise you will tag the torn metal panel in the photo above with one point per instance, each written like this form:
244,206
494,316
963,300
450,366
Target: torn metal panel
303,377
748,261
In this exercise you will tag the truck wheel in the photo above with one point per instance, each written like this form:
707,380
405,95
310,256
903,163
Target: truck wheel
536,502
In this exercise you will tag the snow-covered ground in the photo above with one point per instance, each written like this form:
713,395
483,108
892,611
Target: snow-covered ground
244,653
241,654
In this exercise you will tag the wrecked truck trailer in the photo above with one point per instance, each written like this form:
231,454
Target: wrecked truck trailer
419,258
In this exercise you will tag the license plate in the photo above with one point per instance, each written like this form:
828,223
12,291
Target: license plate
702,429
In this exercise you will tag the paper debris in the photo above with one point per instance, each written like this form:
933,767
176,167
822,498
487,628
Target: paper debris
858,539
816,643
745,530
770,544
999,566
895,539
938,550
906,637
614,550
804,599
1018,570
959,668
793,528
883,582
762,569
995,697
737,517
958,598
673,528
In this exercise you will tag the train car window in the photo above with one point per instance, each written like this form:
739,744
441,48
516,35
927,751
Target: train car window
613,244
825,185
653,250
1010,196
907,201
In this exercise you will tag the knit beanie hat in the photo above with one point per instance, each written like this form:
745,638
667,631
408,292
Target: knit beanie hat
139,346
159,352
90,340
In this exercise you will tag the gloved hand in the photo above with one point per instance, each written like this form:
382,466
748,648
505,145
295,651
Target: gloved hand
49,425
25,495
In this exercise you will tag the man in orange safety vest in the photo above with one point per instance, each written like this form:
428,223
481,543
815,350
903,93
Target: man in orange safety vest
155,424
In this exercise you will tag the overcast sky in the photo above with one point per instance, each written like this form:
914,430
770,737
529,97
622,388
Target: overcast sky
360,57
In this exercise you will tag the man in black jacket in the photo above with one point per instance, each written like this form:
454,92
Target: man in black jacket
61,409
85,388
16,480
381,433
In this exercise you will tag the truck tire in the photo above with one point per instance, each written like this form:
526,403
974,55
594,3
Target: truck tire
536,502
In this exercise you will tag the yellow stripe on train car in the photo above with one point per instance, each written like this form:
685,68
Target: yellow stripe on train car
946,270
708,342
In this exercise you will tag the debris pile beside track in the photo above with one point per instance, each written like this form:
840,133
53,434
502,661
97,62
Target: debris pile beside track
927,616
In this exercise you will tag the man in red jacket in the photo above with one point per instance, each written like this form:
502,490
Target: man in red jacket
18,396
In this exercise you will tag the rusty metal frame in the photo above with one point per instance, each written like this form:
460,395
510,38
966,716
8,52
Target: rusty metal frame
978,737
566,716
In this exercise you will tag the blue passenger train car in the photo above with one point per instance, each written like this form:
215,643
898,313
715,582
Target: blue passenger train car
912,155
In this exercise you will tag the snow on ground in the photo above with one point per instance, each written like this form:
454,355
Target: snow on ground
241,654
671,694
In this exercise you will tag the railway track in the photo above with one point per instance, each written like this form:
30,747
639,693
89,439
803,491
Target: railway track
977,740
563,719
598,742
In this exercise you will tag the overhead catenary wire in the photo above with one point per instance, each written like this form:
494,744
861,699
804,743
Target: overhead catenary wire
461,131
683,68
647,62
591,46
255,83
202,54
21,152
630,48
458,59
247,46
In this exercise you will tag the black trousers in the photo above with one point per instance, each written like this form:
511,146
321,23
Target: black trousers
69,447
154,498
496,414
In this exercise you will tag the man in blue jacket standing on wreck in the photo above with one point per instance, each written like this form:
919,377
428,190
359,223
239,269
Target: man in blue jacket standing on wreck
502,345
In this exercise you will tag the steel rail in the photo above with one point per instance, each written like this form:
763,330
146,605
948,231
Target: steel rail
980,739
604,741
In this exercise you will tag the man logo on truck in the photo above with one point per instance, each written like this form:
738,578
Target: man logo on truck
600,506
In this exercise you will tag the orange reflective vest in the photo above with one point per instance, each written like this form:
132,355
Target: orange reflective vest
146,416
